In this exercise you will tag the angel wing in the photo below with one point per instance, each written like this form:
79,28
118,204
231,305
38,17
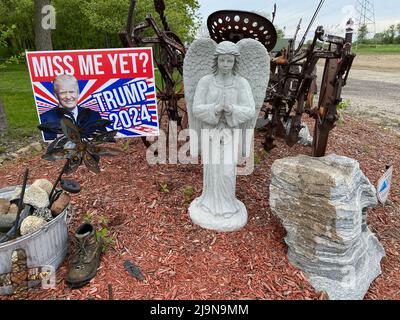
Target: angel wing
197,64
254,66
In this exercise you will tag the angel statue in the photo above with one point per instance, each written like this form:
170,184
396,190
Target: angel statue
225,86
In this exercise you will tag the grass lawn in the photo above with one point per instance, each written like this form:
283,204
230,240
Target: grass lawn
16,94
378,49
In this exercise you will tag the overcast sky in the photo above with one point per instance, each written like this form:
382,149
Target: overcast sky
289,12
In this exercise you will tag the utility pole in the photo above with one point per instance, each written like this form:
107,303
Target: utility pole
366,16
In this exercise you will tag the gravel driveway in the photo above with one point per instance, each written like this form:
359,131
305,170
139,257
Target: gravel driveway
373,94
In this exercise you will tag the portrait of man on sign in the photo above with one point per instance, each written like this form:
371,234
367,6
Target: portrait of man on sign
66,90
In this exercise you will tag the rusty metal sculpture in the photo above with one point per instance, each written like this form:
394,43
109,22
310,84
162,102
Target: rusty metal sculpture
168,54
292,88
293,77
77,145
293,73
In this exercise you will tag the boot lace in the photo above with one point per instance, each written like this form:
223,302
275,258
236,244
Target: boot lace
80,251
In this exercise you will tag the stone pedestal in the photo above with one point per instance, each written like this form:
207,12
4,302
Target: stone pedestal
210,221
323,203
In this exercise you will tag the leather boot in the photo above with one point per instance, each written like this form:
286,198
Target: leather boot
86,258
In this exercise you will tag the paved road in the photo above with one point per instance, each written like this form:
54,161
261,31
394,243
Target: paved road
375,95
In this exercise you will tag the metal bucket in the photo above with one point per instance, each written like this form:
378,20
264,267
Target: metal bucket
45,247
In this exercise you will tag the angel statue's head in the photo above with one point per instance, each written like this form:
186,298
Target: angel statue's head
225,58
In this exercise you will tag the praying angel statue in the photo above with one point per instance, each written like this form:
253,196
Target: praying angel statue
225,86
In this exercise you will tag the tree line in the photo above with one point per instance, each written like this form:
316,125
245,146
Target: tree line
391,35
86,24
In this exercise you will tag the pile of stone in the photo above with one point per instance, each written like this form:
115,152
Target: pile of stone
36,196
34,147
323,204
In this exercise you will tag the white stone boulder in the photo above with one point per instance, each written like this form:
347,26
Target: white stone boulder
34,195
323,203
44,184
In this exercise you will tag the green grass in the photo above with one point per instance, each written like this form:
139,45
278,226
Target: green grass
378,49
175,76
17,96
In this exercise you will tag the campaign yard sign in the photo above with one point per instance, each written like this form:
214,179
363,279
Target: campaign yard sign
119,84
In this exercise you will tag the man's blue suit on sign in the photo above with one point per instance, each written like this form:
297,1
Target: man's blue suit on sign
85,116
66,90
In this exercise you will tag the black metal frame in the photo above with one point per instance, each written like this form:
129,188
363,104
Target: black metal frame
169,53
291,87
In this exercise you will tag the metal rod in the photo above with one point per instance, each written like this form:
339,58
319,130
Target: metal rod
274,13
21,200
310,25
297,31
58,180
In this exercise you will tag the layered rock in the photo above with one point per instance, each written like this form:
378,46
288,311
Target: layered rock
323,203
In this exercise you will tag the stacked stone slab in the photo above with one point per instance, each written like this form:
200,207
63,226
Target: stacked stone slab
323,203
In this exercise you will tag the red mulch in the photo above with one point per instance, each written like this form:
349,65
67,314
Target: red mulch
182,261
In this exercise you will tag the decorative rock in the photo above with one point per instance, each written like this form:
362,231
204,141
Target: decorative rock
36,146
44,213
60,204
22,150
7,221
35,196
13,209
4,206
31,224
322,203
45,184
17,193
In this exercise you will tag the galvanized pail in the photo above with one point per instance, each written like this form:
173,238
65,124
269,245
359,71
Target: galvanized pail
45,247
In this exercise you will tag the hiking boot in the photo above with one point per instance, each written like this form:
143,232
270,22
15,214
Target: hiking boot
86,258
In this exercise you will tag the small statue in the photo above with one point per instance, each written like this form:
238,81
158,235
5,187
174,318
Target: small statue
225,86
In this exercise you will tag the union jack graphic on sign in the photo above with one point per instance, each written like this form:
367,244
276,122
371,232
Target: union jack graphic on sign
118,84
